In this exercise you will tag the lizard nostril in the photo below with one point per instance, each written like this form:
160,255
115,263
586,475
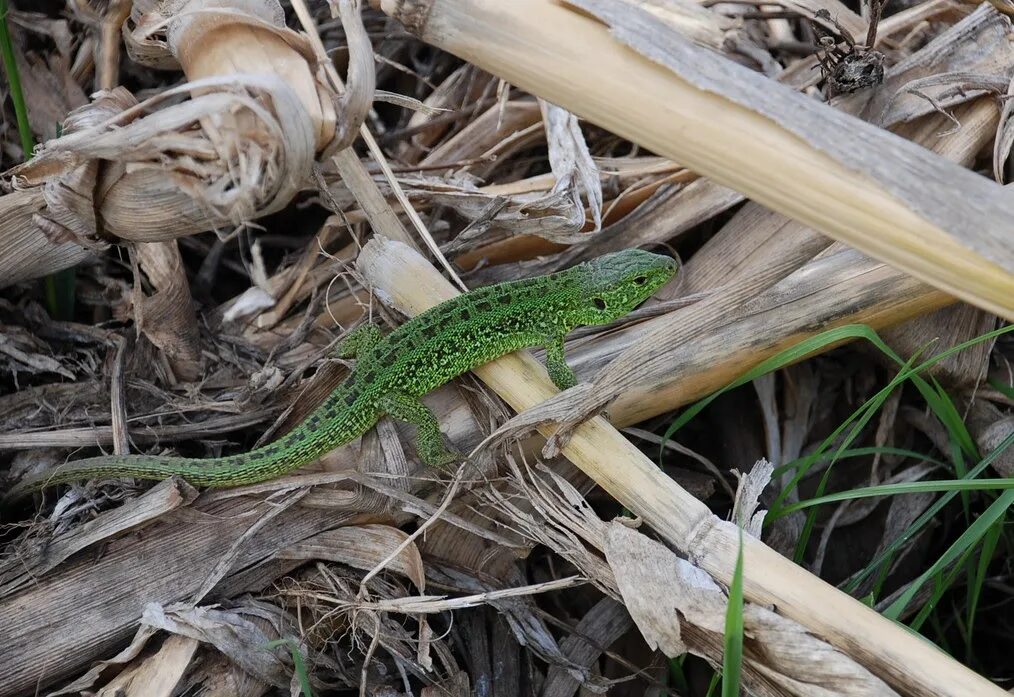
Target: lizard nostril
599,303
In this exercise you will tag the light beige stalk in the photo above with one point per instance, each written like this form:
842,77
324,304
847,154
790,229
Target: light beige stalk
908,663
847,179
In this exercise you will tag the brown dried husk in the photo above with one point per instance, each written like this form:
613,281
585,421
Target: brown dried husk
219,151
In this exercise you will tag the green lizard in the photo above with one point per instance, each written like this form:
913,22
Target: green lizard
392,372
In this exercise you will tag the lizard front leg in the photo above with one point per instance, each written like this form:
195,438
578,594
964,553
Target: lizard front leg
560,373
358,341
429,439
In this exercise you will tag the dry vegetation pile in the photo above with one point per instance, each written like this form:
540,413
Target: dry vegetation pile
223,188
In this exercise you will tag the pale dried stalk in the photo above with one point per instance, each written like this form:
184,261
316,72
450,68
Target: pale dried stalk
380,214
171,321
901,659
159,673
214,39
781,658
106,22
240,148
756,236
676,606
845,288
847,179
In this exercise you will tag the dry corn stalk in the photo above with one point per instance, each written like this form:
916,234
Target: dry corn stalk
948,227
904,661
676,606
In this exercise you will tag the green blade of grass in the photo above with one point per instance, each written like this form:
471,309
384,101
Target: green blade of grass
812,345
944,409
962,443
297,661
715,679
14,81
933,486
881,579
678,681
933,397
965,542
905,374
732,661
926,516
941,582
60,293
863,452
977,581
862,417
790,355
1006,390
59,287
815,344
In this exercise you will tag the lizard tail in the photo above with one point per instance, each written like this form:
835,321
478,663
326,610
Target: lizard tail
297,448
219,471
232,470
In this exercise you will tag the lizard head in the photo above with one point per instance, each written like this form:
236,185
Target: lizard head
614,284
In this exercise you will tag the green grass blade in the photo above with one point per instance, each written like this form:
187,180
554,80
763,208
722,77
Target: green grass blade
863,414
715,679
1006,390
60,293
962,546
941,582
978,580
815,344
863,452
59,287
297,661
790,355
926,516
862,417
932,486
678,681
962,443
883,573
906,373
732,661
14,81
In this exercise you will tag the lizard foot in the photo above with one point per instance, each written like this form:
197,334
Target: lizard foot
442,458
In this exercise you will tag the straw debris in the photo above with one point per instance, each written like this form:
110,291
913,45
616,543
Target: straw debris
222,189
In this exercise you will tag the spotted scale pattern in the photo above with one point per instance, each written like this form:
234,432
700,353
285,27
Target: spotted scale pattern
422,354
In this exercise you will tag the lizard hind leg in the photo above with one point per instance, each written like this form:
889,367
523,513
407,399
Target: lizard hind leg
429,439
358,341
560,373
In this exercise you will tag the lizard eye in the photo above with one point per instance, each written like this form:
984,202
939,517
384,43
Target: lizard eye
640,280
599,303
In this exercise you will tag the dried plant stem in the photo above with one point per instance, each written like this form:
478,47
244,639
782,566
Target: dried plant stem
841,289
354,173
738,128
107,67
902,659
